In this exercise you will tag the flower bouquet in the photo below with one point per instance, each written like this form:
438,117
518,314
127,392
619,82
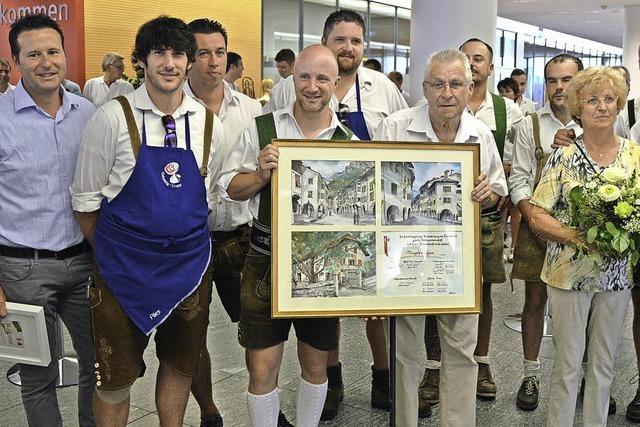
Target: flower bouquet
607,210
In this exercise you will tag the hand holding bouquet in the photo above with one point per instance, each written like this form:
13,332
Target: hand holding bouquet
607,210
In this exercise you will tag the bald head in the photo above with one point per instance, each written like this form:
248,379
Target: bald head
315,55
315,76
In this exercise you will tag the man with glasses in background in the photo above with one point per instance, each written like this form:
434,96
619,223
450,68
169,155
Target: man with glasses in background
104,88
140,195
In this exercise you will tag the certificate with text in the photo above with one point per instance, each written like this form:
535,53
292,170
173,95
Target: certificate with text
374,229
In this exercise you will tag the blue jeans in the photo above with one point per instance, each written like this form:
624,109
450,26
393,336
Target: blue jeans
60,286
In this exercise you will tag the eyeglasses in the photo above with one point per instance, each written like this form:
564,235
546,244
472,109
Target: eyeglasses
594,101
119,67
439,85
170,139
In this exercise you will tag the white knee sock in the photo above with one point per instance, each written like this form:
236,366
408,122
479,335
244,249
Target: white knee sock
264,408
531,368
481,359
433,364
309,403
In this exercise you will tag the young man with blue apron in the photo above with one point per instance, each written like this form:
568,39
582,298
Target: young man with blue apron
247,177
150,233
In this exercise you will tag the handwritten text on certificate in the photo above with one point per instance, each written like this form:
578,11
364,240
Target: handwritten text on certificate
422,263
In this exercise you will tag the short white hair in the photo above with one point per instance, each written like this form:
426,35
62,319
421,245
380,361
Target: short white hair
448,56
109,58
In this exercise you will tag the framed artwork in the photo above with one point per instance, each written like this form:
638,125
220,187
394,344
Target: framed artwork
374,229
23,335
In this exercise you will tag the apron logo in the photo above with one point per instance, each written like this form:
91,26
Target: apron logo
170,175
154,314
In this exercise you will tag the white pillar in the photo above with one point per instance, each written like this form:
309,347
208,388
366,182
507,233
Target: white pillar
630,44
447,24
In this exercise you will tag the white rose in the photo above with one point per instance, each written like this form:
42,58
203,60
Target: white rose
614,174
609,192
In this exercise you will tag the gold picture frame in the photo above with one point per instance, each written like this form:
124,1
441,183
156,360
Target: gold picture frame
374,229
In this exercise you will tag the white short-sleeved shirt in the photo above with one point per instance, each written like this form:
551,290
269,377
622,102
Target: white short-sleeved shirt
486,114
379,97
414,124
524,166
244,157
105,160
237,111
97,91
621,127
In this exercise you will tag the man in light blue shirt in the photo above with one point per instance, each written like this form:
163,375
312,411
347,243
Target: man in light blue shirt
44,260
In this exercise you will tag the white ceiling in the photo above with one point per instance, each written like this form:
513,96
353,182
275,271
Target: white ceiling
599,20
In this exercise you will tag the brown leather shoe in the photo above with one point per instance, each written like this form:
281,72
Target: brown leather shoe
486,387
429,391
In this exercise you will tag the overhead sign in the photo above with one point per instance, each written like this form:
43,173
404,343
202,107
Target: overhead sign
57,12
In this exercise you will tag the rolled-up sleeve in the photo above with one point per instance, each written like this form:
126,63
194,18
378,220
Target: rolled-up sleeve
96,157
521,175
242,159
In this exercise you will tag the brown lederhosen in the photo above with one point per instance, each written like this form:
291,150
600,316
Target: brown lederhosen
529,254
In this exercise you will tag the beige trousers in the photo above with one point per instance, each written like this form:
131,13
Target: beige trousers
458,372
594,320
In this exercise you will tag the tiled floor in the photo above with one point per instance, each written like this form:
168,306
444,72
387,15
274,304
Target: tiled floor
230,378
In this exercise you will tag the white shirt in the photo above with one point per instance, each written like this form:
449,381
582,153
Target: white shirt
524,166
97,91
237,111
621,128
486,114
421,101
414,124
244,157
106,161
526,105
379,97
10,87
634,133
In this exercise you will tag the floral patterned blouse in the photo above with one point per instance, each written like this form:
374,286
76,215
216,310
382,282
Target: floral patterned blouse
564,266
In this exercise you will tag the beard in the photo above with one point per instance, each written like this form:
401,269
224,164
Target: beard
347,65
556,107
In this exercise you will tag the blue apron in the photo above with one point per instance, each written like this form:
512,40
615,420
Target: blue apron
355,120
152,241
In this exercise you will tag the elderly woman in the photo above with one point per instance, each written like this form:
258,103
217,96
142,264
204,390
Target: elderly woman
590,300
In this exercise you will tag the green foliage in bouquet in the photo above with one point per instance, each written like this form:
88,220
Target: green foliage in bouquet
607,210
